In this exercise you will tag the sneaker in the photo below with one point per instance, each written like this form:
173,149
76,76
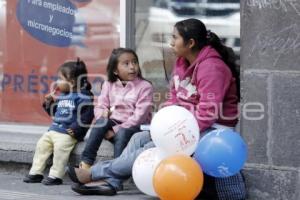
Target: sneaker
84,165
37,178
52,181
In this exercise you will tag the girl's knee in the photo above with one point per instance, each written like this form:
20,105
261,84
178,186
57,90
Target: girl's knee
142,136
101,122
120,137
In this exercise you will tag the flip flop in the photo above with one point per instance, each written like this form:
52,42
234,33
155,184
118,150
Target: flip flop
105,189
72,174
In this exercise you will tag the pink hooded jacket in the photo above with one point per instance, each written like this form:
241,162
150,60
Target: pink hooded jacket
206,88
131,104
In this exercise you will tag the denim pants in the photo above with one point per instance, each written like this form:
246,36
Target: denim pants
119,169
97,134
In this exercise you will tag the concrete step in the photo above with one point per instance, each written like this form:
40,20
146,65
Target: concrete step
18,142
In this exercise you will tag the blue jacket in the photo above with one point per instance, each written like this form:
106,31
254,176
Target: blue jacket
71,111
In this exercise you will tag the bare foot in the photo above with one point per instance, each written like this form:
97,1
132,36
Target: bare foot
83,175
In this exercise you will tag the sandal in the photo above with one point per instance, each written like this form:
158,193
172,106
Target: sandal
72,174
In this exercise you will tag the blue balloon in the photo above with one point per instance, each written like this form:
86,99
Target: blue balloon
221,153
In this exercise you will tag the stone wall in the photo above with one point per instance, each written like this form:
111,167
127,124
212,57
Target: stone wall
270,63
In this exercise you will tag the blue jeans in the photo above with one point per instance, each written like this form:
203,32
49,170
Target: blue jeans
97,134
119,169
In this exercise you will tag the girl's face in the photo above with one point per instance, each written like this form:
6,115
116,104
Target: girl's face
63,84
178,45
128,67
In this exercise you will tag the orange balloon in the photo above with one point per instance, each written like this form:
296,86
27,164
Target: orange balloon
178,177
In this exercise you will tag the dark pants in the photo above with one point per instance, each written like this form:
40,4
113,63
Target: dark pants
228,188
97,134
232,187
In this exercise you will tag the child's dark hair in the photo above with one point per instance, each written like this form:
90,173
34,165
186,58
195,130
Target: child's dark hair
195,29
114,60
76,71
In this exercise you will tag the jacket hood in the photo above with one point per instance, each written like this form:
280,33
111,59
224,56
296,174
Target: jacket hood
207,52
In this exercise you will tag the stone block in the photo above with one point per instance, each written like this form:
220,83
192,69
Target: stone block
272,184
286,120
254,91
270,34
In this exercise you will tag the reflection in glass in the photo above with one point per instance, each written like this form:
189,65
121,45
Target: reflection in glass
154,24
32,48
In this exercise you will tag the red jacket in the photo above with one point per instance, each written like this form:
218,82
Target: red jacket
206,88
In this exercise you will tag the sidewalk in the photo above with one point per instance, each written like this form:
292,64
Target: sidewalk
13,188
17,145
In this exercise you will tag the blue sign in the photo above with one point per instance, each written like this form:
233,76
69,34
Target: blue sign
49,21
83,1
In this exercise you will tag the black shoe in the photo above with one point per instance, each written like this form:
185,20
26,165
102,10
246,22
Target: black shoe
33,178
104,189
52,181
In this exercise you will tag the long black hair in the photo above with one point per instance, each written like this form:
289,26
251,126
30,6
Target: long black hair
76,71
114,61
195,29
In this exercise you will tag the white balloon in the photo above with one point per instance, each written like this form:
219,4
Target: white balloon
174,129
143,169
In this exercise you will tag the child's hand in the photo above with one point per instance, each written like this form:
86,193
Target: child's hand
105,114
70,132
51,96
110,134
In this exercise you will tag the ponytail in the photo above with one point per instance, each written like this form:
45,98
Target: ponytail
81,72
227,55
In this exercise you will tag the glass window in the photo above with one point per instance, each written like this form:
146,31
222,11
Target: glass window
199,7
37,36
154,24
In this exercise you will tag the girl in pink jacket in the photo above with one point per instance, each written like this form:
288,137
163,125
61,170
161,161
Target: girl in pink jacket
206,82
124,104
